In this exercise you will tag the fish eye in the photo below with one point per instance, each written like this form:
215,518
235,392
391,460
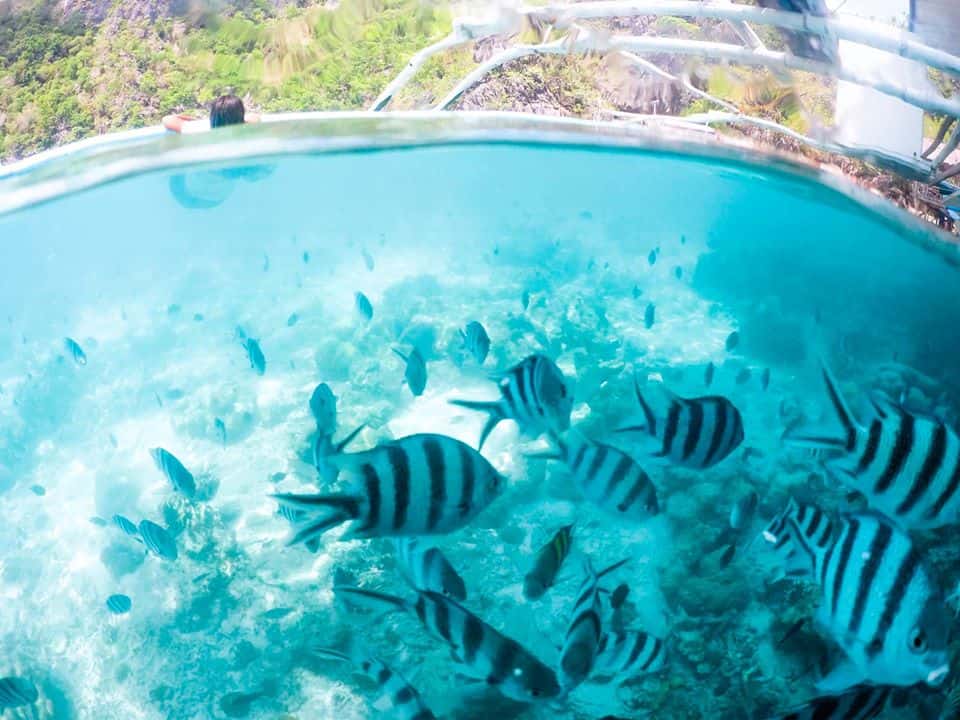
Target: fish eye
917,641
535,692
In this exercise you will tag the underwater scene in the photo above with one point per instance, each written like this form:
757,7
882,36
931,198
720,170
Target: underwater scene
552,428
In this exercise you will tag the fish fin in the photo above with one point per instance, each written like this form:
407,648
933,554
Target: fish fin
840,406
313,544
611,568
355,597
463,336
545,455
401,355
813,438
648,416
492,407
844,676
338,448
329,654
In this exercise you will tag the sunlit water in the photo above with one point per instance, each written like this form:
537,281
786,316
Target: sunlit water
153,273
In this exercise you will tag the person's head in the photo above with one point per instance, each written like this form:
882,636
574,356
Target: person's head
226,110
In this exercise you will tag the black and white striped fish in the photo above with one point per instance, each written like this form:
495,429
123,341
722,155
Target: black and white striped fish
906,465
418,485
396,696
608,477
158,540
696,433
582,640
880,603
623,655
181,478
16,692
476,341
547,564
426,568
534,394
860,703
415,374
816,530
481,651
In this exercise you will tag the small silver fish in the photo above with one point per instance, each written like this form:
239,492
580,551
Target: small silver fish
364,307
652,257
741,515
649,315
221,429
367,259
744,376
257,361
765,379
733,339
76,352
119,604
525,299
416,372
708,374
292,320
323,407
178,475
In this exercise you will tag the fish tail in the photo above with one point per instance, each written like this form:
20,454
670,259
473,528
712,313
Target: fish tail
338,448
369,599
328,653
813,439
611,568
651,422
334,509
492,407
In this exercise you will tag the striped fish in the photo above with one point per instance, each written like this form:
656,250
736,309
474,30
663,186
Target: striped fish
533,393
128,527
860,703
417,485
624,655
16,692
181,478
816,530
119,604
547,564
426,568
480,650
395,693
415,374
583,633
609,478
158,540
476,341
906,465
880,603
696,433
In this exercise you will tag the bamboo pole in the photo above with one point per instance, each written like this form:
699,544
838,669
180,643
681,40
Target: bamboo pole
866,32
595,41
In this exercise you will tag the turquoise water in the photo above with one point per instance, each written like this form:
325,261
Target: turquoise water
152,274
